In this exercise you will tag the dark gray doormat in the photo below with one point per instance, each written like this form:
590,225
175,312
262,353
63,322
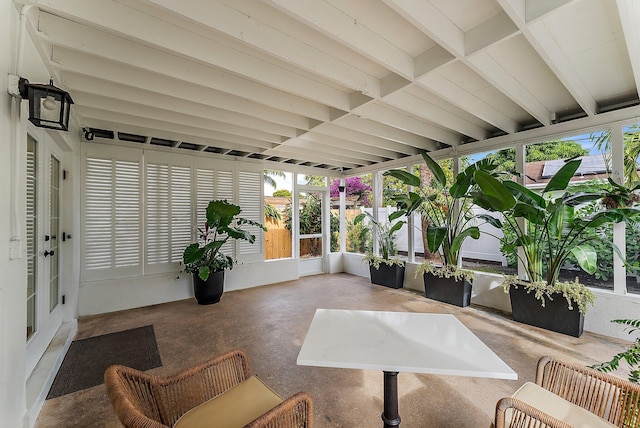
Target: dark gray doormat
87,359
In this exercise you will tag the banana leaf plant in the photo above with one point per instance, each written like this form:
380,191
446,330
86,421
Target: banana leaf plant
223,223
446,205
557,228
385,234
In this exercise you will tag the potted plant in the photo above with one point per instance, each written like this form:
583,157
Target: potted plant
448,210
386,269
557,230
204,258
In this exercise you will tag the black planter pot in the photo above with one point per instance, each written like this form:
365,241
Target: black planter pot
209,291
447,290
554,316
391,276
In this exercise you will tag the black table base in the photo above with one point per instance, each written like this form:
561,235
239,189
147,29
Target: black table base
390,415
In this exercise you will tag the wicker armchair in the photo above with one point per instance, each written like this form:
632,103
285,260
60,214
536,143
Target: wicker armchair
613,399
144,400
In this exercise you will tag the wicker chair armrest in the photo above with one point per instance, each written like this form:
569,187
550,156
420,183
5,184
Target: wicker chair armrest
522,415
131,394
611,398
294,412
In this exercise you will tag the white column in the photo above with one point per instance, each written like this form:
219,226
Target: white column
411,251
619,229
343,220
521,168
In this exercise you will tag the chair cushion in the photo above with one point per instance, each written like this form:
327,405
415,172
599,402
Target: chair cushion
234,408
558,407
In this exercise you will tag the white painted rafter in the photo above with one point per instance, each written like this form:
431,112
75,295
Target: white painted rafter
629,11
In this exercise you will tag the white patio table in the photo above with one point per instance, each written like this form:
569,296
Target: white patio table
398,342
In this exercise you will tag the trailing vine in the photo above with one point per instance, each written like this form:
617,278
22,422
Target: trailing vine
375,261
445,271
572,291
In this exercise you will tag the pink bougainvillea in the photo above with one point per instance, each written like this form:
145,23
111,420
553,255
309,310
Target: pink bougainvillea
353,187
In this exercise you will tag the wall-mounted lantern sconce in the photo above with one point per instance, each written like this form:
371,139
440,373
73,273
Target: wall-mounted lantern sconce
49,107
341,188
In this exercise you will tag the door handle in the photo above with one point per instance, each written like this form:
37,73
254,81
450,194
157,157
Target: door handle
49,253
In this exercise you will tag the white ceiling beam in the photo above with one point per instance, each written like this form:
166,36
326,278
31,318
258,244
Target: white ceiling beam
248,29
387,132
316,156
172,117
337,24
175,72
434,114
233,141
540,38
178,42
629,12
308,142
365,142
128,77
537,9
368,152
405,122
85,87
494,30
449,91
426,17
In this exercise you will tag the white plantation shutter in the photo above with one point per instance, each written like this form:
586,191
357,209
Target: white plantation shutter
168,211
112,222
251,201
205,192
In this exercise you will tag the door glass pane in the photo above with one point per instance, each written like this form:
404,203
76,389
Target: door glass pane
310,218
54,223
32,233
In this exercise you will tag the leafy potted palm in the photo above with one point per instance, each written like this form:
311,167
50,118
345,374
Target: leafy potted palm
205,260
448,210
556,230
386,269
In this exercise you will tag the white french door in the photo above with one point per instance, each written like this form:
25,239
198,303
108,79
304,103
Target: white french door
312,232
44,315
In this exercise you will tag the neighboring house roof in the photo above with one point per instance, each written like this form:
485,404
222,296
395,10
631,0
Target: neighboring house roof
592,167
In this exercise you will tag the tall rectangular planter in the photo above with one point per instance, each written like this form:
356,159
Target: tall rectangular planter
391,276
554,316
447,290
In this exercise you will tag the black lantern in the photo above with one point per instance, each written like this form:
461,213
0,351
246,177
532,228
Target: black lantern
341,189
49,107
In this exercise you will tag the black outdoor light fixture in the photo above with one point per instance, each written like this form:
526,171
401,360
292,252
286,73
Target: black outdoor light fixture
49,107
341,189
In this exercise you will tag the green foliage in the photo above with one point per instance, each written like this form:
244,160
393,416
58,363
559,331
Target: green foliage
631,140
334,221
269,174
316,180
384,232
223,223
558,230
271,212
445,202
358,237
282,193
505,160
631,355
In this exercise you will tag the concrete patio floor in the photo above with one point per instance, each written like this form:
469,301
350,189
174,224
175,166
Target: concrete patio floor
270,323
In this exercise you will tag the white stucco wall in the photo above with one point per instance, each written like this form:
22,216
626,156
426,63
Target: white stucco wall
12,266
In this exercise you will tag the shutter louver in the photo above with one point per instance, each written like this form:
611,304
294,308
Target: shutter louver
251,201
205,192
157,234
127,214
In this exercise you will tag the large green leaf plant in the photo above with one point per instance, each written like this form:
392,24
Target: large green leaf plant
558,229
447,206
223,223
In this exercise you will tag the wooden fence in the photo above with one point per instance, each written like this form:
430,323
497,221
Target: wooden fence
277,239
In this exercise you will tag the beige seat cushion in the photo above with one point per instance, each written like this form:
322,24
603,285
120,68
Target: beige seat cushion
558,407
234,408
